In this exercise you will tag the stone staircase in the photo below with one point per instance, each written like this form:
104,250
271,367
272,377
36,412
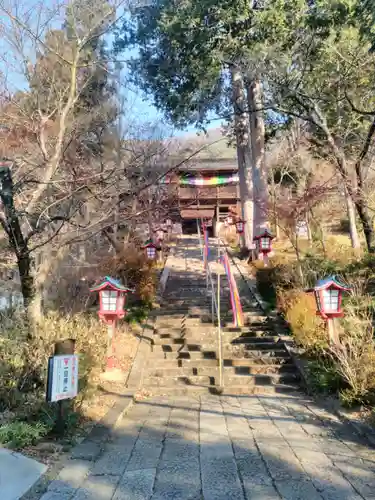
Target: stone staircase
185,346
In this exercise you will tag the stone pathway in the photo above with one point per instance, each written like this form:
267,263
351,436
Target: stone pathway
221,448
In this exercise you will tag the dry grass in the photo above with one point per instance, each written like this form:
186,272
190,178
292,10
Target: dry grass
299,310
354,357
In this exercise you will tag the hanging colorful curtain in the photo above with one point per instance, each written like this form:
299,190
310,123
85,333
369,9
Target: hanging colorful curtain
217,180
238,318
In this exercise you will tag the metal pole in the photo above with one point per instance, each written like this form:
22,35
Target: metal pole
221,378
221,384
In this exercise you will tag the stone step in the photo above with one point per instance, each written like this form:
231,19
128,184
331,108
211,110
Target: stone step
265,342
192,326
233,381
260,369
159,354
263,361
250,336
193,370
211,338
192,390
213,370
198,381
265,357
261,379
265,349
191,311
208,339
247,328
285,389
185,347
188,364
258,348
187,328
182,390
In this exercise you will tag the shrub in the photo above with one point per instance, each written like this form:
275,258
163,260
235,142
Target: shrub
315,267
323,377
354,357
21,434
23,363
265,285
271,279
299,310
135,270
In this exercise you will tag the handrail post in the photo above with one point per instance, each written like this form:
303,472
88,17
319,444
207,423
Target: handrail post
221,383
220,340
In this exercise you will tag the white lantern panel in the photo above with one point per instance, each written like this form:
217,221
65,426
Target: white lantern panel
240,227
109,300
331,300
151,252
265,243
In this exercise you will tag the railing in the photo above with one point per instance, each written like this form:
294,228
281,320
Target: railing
215,301
207,193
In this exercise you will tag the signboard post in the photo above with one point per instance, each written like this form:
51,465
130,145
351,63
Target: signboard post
62,380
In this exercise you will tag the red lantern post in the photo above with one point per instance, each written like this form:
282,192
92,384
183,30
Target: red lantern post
264,244
151,250
328,295
112,296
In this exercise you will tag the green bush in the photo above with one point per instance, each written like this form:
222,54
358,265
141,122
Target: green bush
323,377
21,434
138,313
278,276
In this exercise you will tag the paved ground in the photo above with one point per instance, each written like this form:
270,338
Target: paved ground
221,448
17,474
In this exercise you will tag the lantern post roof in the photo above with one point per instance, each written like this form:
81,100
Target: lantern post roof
149,244
264,234
331,282
110,284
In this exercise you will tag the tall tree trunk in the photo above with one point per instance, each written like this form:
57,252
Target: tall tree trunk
12,227
274,206
260,177
351,208
367,223
343,170
360,199
241,125
26,278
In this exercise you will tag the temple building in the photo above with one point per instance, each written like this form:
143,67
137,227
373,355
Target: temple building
208,187
207,190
